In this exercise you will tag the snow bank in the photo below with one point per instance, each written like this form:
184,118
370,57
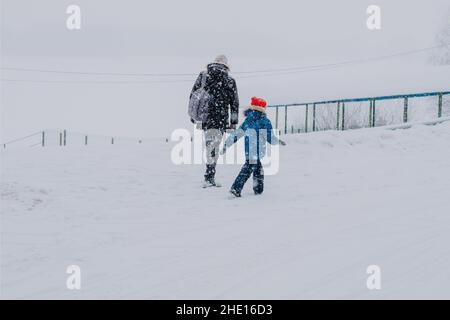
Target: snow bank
141,227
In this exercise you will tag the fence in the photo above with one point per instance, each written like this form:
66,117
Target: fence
64,137
343,114
317,116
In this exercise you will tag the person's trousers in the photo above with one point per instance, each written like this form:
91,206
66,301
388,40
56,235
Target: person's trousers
213,138
247,170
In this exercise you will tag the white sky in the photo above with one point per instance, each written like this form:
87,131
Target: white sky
181,37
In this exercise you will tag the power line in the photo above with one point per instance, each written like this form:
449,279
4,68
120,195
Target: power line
94,82
103,73
281,71
362,60
166,81
159,81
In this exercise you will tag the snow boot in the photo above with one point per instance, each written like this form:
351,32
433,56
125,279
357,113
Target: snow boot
211,183
235,193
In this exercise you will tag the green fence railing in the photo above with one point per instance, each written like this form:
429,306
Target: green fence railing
341,110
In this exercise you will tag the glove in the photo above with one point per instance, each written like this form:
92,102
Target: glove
192,120
282,142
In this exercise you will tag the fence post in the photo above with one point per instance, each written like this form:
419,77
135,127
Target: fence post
373,113
440,106
370,113
314,118
65,137
405,110
112,140
343,116
306,118
285,120
43,138
60,139
276,118
85,140
338,115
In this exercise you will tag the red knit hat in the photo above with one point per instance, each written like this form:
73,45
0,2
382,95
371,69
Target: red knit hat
258,104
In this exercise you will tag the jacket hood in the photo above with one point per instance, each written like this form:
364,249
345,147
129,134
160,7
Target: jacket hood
217,68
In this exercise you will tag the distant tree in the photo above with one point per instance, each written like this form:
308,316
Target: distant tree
441,56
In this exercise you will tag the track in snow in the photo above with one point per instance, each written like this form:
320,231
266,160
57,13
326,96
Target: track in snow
141,227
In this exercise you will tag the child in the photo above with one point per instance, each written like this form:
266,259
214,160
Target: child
257,130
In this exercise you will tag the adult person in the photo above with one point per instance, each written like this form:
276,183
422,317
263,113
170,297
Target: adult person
223,111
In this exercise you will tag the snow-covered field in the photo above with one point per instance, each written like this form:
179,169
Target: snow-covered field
141,227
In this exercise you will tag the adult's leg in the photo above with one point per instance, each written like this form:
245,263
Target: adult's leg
213,138
242,177
258,177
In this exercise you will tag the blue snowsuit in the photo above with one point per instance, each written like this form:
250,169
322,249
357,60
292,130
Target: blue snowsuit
257,130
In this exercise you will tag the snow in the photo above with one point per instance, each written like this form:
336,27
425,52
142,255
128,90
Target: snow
141,227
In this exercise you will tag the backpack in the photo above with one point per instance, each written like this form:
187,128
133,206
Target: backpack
199,102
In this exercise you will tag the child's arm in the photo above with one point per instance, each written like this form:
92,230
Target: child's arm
234,137
271,138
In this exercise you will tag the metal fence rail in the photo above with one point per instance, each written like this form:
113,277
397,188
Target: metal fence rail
339,117
341,109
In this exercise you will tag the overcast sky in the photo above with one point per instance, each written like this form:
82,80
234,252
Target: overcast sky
182,36
251,28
